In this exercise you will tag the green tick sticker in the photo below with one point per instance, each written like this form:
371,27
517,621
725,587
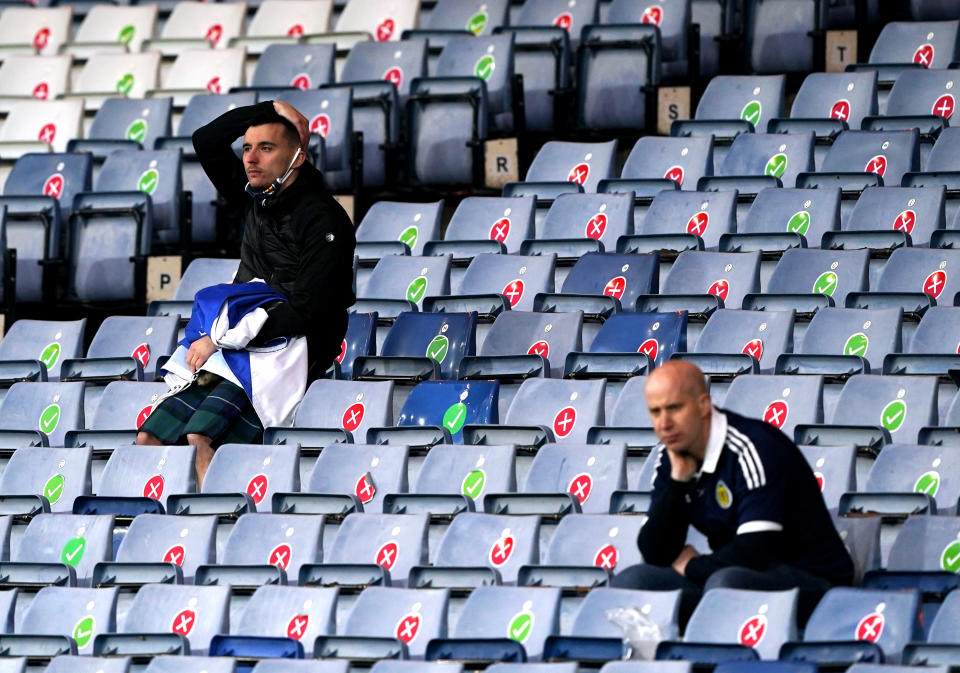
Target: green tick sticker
83,631
49,419
416,289
125,84
893,415
856,345
473,483
751,112
799,223
485,67
477,23
437,348
454,417
125,36
520,627
950,558
137,130
53,489
776,166
928,483
73,551
409,236
50,355
148,181
826,283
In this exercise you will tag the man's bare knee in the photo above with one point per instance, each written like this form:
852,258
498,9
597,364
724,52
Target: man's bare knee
147,439
199,441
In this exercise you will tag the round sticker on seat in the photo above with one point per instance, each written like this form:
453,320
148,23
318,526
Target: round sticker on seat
50,354
472,484
301,81
675,173
477,23
280,556
539,348
176,555
857,344
596,225
126,34
579,174
183,622
520,626
799,223
137,130
870,627
352,416
776,165
652,14
409,236
820,480
513,291
615,287
343,351
651,347
905,221
935,282
417,289
153,488
840,110
72,551
826,283
41,91
944,106
564,21
564,422
214,33
394,75
580,487
753,630
296,30
385,29
484,67
364,489
606,557
893,415
928,483
83,631
501,550
143,415
386,555
257,488
776,413
950,557
53,186
125,84
320,125
141,354
148,181
500,229
924,55
454,417
698,223
720,288
49,419
437,348
754,347
47,134
297,626
41,39
877,164
214,86
408,628
751,112
53,489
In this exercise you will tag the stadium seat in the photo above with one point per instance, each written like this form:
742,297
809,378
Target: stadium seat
495,283
577,224
108,74
731,334
360,339
590,473
255,470
200,273
390,544
70,544
781,401
284,20
155,540
929,344
46,342
120,408
261,540
472,471
330,119
654,335
780,35
929,44
834,468
38,30
177,663
413,616
144,340
149,472
503,543
421,346
686,220
196,613
486,224
301,613
773,155
942,629
595,274
585,164
196,71
303,66
78,614
58,475
870,155
705,281
914,211
399,283
314,665
367,471
672,17
191,21
123,25
400,666
435,409
387,23
337,411
31,76
683,160
475,16
51,408
125,123
925,544
914,468
607,541
40,126
391,227
913,278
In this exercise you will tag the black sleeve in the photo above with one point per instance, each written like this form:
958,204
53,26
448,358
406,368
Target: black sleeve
212,144
749,550
665,533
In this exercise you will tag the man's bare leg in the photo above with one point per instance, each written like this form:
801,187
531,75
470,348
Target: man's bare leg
204,455
147,439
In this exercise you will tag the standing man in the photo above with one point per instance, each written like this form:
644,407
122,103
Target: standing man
743,484
296,238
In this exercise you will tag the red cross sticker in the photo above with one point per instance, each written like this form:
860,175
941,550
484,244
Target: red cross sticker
615,287
394,75
213,86
754,347
280,556
870,627
500,229
596,226
606,557
935,282
564,21
408,628
539,348
501,550
513,292
41,91
53,186
564,421
387,554
364,489
652,14
257,488
753,630
905,221
41,38
719,288
320,125
184,621
877,164
675,173
581,486
175,554
776,413
297,626
143,415
698,224
944,106
141,354
651,347
352,417
301,81
296,30
47,133
214,33
153,488
385,29
819,477
840,110
579,174
343,351
924,55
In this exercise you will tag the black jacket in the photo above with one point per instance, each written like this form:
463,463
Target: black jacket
301,242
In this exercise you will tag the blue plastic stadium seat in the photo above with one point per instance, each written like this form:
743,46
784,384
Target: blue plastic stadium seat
835,470
399,283
76,541
156,538
809,279
503,543
916,211
782,401
871,154
605,541
125,123
304,66
284,541
51,408
341,407
914,468
301,613
580,223
80,614
360,339
394,542
391,227
449,405
367,471
196,613
58,475
585,164
486,224
143,339
705,281
850,337
591,473
685,220
46,342
469,470
683,160
258,471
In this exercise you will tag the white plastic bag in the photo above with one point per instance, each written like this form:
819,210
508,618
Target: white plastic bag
640,633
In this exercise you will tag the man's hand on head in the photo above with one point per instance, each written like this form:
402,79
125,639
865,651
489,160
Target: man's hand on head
680,563
293,115
682,466
199,352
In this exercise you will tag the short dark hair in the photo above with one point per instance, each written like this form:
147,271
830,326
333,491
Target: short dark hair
271,117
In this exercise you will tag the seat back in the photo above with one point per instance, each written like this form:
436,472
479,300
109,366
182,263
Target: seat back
900,404
41,77
943,627
913,468
568,408
143,339
591,473
77,540
412,223
889,154
683,160
782,401
445,338
142,120
217,70
354,406
727,275
509,220
552,335
518,278
216,23
525,614
197,613
390,19
470,470
921,270
156,538
586,164
603,540
602,217
205,107
119,73
659,335
931,44
414,616
835,470
672,17
254,469
128,25
80,614
807,212
59,475
360,339
504,543
291,18
410,278
614,275
752,98
286,541
660,607
704,214
923,92
400,64
917,211
368,471
926,543
848,96
57,175
204,272
125,405
395,542
762,620
477,16
54,122
630,409
50,341
777,155
491,59
559,13
304,66
149,471
833,273
301,613
156,173
869,334
451,404
45,28
936,331
51,408
764,335
943,152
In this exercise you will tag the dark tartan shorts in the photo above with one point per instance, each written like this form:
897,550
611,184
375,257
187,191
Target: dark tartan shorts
222,412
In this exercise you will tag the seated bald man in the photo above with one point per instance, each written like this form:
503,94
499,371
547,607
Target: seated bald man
744,485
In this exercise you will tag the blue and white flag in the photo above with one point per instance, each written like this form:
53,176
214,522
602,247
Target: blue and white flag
274,375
